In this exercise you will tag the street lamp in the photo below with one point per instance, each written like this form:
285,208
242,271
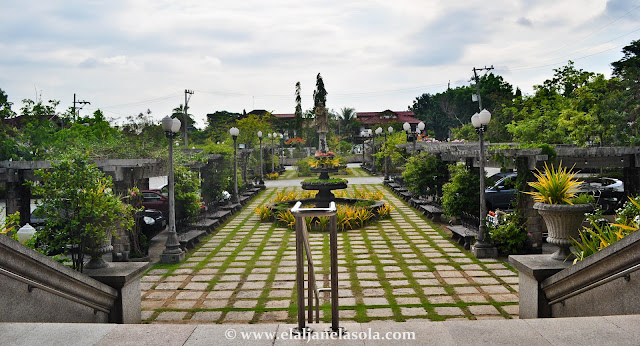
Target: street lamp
419,129
172,252
261,177
373,159
407,129
281,149
386,157
363,134
273,152
234,132
482,248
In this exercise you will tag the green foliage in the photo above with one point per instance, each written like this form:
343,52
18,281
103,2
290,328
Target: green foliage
510,235
583,198
425,174
390,149
187,190
601,234
9,225
461,193
303,168
466,132
554,186
219,176
249,127
79,207
318,181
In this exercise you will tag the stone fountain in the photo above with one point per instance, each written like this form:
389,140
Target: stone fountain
325,165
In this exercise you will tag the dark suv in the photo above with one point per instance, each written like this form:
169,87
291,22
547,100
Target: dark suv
503,193
608,192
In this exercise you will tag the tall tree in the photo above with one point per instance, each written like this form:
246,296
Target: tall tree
628,69
297,124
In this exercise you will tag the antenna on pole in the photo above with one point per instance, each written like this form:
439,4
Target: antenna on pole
76,110
187,97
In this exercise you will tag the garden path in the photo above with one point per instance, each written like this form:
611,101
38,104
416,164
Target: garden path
397,269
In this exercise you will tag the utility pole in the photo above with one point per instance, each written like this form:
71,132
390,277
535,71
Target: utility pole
187,97
83,102
477,80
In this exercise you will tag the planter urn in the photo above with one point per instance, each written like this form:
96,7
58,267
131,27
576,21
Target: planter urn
563,223
96,248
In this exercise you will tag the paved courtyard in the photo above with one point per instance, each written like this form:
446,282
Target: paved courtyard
399,269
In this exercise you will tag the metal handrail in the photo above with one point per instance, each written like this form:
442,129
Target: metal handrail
312,276
34,284
625,273
302,246
304,212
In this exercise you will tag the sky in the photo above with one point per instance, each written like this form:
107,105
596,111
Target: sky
127,57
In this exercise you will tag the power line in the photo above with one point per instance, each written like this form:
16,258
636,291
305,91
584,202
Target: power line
593,32
157,99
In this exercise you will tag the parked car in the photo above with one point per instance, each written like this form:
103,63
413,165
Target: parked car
152,222
608,192
155,199
503,193
159,200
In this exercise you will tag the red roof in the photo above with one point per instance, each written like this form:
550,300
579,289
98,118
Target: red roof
386,117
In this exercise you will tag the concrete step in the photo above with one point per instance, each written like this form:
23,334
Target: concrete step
606,330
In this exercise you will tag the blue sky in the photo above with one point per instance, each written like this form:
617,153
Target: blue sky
129,56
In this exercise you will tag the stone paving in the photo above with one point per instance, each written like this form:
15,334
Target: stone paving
398,269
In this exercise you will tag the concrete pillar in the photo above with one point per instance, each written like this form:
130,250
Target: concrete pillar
18,195
631,176
533,269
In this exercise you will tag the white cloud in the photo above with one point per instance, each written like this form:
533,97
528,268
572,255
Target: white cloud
243,54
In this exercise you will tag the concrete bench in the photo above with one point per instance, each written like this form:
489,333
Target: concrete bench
431,211
416,202
220,214
206,225
406,195
463,235
189,239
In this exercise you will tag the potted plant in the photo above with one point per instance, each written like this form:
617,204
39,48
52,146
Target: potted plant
80,209
555,191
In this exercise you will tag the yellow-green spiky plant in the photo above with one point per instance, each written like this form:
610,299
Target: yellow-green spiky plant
554,186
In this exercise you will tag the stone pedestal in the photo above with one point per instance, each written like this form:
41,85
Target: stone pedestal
533,270
489,251
125,278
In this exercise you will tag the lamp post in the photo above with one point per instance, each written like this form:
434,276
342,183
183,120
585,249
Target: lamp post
281,149
234,132
172,252
386,157
419,129
363,134
407,129
370,135
483,247
260,138
273,152
373,159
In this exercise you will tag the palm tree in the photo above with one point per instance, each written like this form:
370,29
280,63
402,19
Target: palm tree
348,120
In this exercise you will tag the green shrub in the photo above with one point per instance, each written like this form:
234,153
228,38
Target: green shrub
187,190
583,198
461,193
304,169
424,174
510,236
